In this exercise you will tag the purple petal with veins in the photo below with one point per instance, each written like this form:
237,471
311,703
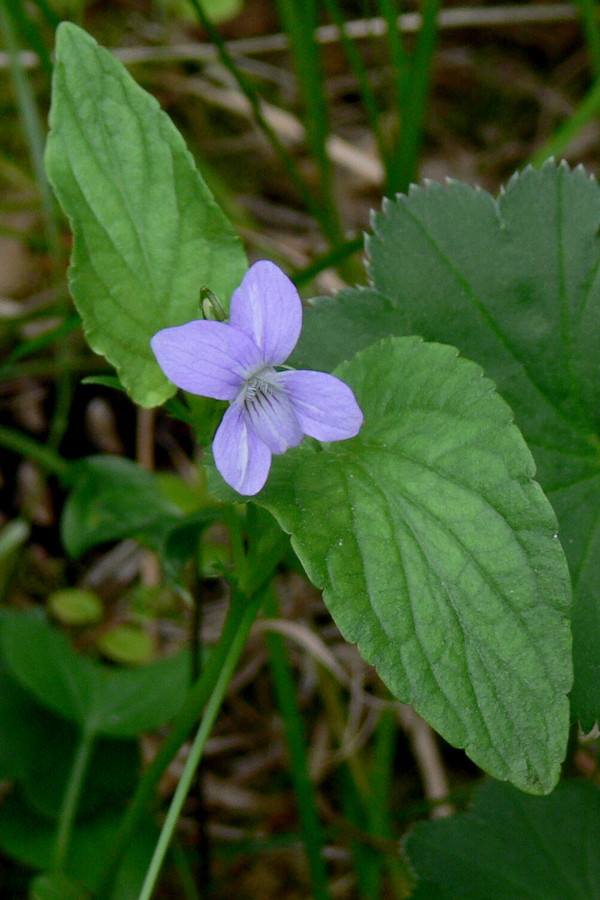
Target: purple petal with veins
206,358
325,407
270,411
240,456
271,417
267,307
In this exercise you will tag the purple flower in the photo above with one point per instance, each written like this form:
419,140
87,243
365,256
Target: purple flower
270,410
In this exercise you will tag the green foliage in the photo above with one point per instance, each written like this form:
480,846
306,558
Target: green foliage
510,846
56,886
147,232
29,838
75,606
513,284
437,553
113,498
127,644
100,700
37,750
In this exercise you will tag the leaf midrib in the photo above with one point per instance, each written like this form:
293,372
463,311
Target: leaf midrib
508,717
471,293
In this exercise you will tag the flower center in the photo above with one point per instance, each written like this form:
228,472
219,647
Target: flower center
258,387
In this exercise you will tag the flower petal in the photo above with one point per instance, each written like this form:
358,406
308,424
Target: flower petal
267,307
325,407
240,456
206,358
271,417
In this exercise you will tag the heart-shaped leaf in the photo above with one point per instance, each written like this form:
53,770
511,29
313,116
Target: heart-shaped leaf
438,555
510,846
514,283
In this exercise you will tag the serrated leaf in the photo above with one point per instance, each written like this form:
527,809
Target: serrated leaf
335,329
147,231
514,283
99,699
438,556
510,846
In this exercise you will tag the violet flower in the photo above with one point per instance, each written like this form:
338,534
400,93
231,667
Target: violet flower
271,411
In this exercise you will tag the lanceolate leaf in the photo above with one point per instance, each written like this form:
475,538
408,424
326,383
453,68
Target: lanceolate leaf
147,231
515,285
438,555
510,846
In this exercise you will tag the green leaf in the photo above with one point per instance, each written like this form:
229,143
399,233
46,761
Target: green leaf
30,839
37,749
147,231
514,283
438,556
127,644
13,537
75,606
99,699
114,498
510,846
56,886
217,10
335,329
110,780
23,725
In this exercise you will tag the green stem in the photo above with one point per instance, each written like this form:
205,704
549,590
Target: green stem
378,810
242,613
184,871
68,810
560,140
362,76
208,720
388,9
589,16
36,139
404,167
278,146
332,258
45,457
299,18
312,833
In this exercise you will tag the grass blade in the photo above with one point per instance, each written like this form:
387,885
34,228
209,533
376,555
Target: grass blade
588,10
286,696
413,112
300,21
362,76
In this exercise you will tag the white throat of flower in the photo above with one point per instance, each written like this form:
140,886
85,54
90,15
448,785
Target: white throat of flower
258,387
